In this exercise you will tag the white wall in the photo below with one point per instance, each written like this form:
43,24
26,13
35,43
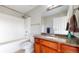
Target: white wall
36,19
11,28
27,25
28,28
59,25
36,24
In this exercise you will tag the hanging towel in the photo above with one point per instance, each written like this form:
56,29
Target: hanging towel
73,24
69,15
77,18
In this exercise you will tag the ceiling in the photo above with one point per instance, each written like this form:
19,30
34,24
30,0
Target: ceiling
16,10
21,8
56,11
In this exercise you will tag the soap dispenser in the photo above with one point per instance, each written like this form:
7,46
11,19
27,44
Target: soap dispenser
69,36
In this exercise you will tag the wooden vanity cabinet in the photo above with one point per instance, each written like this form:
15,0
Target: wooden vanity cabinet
37,46
52,45
46,46
68,49
47,50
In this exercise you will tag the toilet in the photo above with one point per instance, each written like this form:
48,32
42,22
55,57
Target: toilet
28,45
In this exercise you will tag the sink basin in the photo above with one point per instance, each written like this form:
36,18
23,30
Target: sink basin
56,39
72,41
49,37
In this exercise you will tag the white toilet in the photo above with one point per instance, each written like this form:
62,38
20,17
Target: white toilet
28,45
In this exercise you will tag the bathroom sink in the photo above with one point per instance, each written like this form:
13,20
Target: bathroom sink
73,41
49,37
56,39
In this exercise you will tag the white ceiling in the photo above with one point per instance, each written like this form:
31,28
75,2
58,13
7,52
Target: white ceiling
16,10
21,8
55,11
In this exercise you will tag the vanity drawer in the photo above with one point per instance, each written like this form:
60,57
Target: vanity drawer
37,40
69,49
49,44
45,49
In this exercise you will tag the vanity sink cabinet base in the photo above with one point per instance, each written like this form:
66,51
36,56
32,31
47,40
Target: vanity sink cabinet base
69,49
47,46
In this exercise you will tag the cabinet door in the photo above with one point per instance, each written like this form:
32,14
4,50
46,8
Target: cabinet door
69,49
45,49
37,40
49,44
37,48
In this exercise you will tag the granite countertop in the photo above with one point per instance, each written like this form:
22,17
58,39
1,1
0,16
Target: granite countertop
60,39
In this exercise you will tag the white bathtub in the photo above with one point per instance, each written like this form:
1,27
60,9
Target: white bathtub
11,47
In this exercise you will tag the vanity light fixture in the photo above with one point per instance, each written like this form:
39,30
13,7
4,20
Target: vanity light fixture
50,7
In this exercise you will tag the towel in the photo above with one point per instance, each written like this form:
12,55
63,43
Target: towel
69,16
77,18
73,24
73,20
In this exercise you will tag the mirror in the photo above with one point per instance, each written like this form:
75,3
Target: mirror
56,20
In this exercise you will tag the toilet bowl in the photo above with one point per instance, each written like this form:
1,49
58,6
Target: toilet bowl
28,46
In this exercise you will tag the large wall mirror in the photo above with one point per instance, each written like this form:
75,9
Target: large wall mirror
56,20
